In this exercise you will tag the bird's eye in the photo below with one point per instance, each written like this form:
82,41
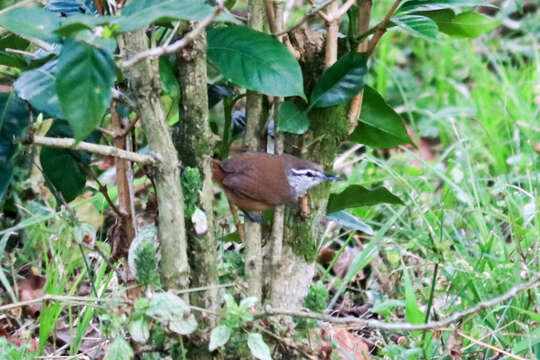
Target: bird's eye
310,174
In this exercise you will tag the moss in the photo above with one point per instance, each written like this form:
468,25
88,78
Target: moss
301,239
328,128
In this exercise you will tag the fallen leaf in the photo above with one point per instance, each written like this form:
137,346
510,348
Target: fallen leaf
30,289
350,346
454,346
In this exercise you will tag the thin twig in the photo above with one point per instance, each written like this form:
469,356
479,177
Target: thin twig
491,347
177,45
345,7
305,18
381,28
76,300
105,150
376,324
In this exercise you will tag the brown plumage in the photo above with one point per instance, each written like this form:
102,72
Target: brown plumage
258,181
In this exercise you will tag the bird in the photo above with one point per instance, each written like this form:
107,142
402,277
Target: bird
258,181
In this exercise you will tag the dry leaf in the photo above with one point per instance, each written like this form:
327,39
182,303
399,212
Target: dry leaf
30,289
454,347
350,346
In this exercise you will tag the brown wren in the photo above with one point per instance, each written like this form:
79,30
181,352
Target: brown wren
257,181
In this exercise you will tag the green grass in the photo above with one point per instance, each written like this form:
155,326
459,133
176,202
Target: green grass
474,209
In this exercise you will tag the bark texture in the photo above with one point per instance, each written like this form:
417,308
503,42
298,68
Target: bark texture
254,115
193,139
302,235
144,83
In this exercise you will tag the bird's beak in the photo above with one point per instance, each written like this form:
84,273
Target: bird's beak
332,177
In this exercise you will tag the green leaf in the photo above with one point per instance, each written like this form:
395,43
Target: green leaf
528,342
14,119
465,25
417,26
172,311
169,80
258,347
35,23
139,329
183,325
379,125
166,306
356,196
428,5
83,84
255,60
83,232
119,349
412,311
72,24
65,168
140,13
64,171
38,88
340,82
219,337
346,220
290,119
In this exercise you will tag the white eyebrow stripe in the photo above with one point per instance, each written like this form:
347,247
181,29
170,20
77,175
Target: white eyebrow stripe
300,171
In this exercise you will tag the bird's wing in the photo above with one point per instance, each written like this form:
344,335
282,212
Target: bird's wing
247,186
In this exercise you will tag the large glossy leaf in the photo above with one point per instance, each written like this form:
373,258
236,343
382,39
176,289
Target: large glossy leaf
83,84
36,23
417,26
14,119
12,41
379,125
72,24
428,5
291,119
65,168
356,196
140,13
38,88
465,25
255,60
63,171
340,82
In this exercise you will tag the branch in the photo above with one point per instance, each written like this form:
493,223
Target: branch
381,28
403,326
105,150
177,45
75,300
345,7
305,18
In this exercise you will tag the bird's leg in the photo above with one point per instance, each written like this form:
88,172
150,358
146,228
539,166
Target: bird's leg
304,203
239,226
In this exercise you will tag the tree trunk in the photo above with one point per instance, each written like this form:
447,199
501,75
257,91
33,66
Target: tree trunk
254,115
193,139
144,83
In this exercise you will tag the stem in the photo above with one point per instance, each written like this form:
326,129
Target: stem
105,150
254,112
227,112
143,80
